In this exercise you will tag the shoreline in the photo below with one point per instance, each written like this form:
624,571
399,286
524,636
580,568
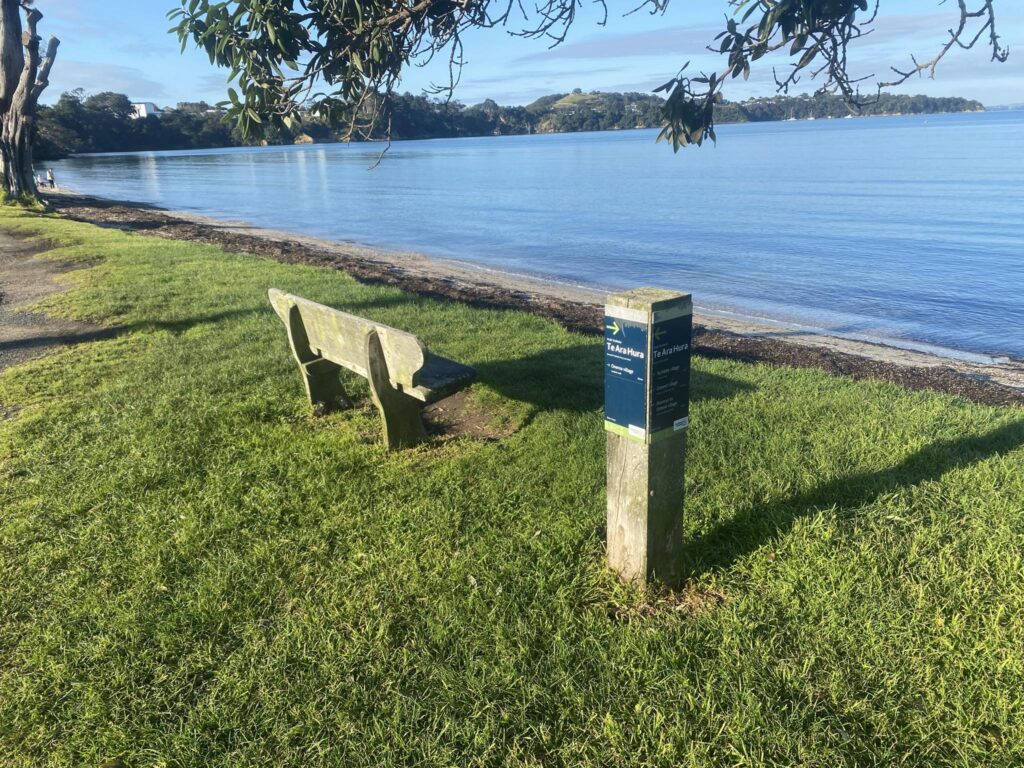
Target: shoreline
578,307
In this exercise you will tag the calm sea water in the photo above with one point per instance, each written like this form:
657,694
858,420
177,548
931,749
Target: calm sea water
908,230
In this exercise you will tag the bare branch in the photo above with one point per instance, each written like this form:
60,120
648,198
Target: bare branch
958,37
43,78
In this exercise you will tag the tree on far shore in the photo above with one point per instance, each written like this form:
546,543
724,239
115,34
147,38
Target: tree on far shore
281,54
24,75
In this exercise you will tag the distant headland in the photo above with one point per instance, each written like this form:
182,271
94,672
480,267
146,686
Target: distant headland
111,122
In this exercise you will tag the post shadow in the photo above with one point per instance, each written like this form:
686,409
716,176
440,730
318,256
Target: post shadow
572,379
732,539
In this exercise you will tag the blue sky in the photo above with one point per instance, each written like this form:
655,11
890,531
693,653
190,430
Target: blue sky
123,45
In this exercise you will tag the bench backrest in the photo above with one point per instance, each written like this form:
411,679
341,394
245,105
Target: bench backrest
319,331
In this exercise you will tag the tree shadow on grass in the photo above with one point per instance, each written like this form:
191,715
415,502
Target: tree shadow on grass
572,379
46,340
64,336
748,530
66,333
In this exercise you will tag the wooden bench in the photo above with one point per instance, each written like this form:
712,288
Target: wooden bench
403,376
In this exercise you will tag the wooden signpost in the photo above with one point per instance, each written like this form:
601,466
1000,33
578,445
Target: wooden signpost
648,335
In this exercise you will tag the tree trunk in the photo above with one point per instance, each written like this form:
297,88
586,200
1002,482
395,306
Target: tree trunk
16,154
23,77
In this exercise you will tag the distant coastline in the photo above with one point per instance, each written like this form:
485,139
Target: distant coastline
109,122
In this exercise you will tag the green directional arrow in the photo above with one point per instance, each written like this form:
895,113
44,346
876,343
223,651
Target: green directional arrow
658,333
614,327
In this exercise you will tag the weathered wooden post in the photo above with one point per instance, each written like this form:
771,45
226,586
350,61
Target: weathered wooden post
647,339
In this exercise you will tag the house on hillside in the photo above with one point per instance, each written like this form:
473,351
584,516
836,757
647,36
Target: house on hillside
144,109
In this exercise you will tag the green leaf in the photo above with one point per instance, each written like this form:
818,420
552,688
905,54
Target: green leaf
808,57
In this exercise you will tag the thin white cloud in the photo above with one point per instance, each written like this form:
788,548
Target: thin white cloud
522,76
94,78
69,18
895,34
655,42
149,50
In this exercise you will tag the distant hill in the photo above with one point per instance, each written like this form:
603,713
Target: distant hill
597,111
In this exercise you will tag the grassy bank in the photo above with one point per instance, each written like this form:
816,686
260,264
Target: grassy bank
195,572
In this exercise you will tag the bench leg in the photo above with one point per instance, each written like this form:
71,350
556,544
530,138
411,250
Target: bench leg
400,414
323,385
320,376
403,426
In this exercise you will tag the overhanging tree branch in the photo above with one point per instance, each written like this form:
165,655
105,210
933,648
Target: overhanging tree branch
960,37
280,53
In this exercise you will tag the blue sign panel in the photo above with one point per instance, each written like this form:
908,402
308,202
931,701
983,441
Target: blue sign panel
647,376
670,375
625,377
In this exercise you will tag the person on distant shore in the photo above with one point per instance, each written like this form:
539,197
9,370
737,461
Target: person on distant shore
49,178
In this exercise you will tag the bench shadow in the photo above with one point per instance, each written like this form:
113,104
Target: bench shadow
750,529
572,379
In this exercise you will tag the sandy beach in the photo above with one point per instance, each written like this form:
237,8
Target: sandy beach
577,307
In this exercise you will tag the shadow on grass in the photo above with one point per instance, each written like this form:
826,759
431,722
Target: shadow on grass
45,340
572,379
730,540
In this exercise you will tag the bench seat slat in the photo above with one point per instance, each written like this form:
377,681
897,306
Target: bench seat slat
439,378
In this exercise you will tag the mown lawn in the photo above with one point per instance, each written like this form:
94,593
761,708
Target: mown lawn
196,572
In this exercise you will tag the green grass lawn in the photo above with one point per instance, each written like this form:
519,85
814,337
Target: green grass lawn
196,572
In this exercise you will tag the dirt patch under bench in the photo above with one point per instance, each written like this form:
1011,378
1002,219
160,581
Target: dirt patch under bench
459,416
